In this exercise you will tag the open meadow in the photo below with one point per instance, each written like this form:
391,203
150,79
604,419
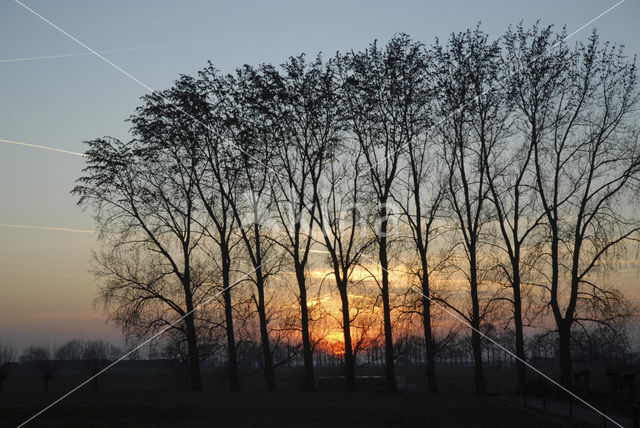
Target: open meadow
164,399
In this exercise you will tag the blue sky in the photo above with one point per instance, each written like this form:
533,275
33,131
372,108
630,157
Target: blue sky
45,290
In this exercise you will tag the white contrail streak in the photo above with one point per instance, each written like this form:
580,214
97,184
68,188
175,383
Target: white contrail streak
132,77
59,229
18,143
137,48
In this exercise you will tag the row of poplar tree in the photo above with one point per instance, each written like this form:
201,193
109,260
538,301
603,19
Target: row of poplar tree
510,164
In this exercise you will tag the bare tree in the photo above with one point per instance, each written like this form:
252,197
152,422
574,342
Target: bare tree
251,202
196,142
420,197
216,179
7,359
70,350
305,118
43,357
341,220
534,69
587,164
96,354
385,98
472,123
145,203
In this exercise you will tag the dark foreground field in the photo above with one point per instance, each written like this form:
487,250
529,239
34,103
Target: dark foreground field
158,409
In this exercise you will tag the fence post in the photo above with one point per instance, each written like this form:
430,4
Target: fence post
571,407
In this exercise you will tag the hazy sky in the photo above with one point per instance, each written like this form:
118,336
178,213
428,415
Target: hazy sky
46,292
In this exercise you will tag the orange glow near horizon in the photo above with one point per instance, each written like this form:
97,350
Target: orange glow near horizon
335,342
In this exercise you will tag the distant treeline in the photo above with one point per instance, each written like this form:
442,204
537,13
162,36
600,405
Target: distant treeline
89,359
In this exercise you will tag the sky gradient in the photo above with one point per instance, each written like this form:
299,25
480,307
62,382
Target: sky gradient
46,291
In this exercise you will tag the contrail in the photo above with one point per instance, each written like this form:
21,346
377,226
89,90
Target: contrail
137,48
18,143
60,229
132,77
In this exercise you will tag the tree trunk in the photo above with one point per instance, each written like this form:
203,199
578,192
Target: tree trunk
194,357
428,334
232,353
476,339
306,336
349,360
192,337
478,367
564,341
95,372
234,378
517,316
386,306
269,375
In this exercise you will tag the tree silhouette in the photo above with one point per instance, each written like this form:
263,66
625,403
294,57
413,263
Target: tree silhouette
7,359
306,120
145,204
472,124
587,163
384,97
43,358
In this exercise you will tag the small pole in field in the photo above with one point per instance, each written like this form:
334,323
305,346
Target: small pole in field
571,407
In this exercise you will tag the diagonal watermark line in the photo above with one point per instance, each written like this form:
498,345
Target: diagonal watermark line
467,324
498,83
148,88
172,324
144,85
19,143
133,49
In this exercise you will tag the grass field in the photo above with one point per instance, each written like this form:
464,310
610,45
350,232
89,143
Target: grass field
157,399
154,409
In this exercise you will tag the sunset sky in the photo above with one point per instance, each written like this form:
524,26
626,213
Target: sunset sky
46,291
